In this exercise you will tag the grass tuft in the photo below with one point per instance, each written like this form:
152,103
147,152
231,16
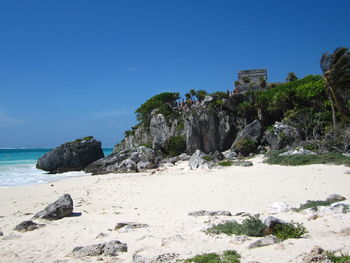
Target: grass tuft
294,160
225,163
343,258
313,204
228,256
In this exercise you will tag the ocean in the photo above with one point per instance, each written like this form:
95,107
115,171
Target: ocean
17,167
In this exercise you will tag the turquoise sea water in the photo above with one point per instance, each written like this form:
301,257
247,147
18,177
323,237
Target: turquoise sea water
17,167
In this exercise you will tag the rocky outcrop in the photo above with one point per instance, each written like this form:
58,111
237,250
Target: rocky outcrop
265,241
135,160
210,213
253,131
61,208
111,248
197,160
282,136
71,156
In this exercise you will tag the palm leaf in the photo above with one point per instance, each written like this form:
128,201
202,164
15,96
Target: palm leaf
325,61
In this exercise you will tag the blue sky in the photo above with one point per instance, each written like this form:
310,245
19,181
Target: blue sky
75,68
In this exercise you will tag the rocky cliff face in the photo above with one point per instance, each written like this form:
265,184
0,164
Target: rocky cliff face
203,125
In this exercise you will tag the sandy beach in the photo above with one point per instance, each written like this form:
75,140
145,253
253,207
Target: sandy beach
162,199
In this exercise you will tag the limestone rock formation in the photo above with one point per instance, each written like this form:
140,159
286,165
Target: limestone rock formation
71,156
135,160
26,226
111,248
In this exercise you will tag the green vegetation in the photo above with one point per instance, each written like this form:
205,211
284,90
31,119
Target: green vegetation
208,158
343,258
251,226
291,77
294,160
312,204
147,144
162,103
336,73
87,138
175,145
225,163
228,256
246,146
290,230
128,133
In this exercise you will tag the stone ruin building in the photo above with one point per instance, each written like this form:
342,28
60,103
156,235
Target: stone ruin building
253,79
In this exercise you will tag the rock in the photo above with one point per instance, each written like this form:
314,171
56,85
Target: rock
242,163
61,208
132,225
333,209
210,213
184,157
196,160
335,198
265,241
218,156
297,151
127,166
1,233
282,136
279,207
312,217
251,132
101,235
231,155
135,160
71,156
317,254
107,249
142,256
26,226
271,222
345,232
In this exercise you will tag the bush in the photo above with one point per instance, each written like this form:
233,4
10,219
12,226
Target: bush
293,160
228,256
251,226
312,204
246,146
343,258
226,163
175,146
208,158
290,230
163,102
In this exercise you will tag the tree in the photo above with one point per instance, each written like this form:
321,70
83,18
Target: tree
336,73
291,77
193,93
200,94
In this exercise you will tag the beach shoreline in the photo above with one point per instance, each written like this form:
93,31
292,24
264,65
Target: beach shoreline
162,199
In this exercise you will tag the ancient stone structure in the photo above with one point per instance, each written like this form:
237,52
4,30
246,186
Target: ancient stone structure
253,79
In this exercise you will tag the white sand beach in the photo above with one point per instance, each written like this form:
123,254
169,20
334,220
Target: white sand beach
162,200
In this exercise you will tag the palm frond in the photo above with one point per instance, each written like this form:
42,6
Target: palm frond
325,61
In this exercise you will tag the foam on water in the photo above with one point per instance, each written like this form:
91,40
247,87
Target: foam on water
17,167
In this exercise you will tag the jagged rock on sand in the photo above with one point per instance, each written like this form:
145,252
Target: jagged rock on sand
129,225
61,208
334,209
26,226
107,249
271,222
210,213
71,156
242,163
317,254
279,207
143,256
265,241
196,160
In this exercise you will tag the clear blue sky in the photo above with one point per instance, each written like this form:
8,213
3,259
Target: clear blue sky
74,68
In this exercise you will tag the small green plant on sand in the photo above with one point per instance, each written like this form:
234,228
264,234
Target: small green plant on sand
312,204
226,163
290,230
251,226
228,256
343,258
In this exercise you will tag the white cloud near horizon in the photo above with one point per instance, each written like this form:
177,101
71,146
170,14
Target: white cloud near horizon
110,113
6,120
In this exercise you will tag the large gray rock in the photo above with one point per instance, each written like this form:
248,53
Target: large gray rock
282,136
61,208
335,198
196,160
297,151
111,248
252,132
135,160
271,222
71,156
